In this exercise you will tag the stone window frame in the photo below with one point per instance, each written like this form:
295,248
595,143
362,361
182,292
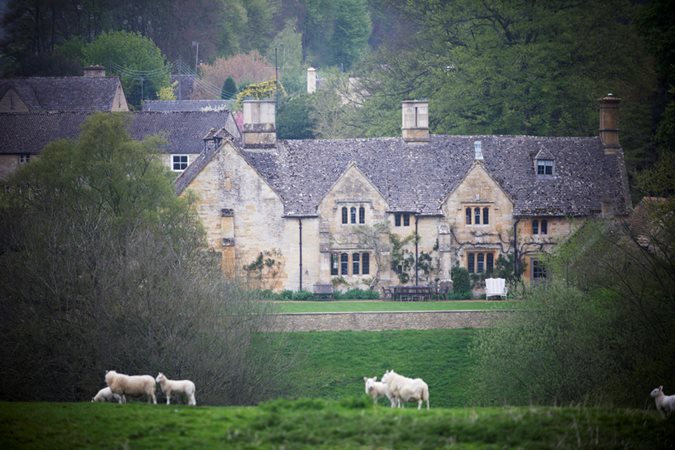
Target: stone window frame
402,219
24,158
476,215
538,270
344,263
484,257
177,163
539,227
352,213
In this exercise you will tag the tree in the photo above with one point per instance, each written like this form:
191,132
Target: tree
229,89
134,58
103,267
246,68
293,117
286,52
352,30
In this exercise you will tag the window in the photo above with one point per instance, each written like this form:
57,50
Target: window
334,263
344,264
476,215
538,270
365,264
179,162
544,167
362,214
356,261
480,262
24,158
402,219
344,214
352,214
540,226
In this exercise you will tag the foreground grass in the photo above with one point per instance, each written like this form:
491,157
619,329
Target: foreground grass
379,305
332,365
351,423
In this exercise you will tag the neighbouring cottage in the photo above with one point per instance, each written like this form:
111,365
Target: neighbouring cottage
289,214
27,133
187,105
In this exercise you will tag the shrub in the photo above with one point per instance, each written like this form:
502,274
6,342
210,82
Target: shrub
357,294
461,281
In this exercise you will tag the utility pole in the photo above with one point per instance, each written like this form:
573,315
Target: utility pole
276,81
196,44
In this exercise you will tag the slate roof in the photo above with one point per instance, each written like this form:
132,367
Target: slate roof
419,177
63,93
184,131
186,105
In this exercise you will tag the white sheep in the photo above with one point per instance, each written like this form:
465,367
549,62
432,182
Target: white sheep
664,403
106,395
406,389
133,385
185,387
377,389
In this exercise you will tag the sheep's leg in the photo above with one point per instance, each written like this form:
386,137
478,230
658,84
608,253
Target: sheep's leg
168,397
192,401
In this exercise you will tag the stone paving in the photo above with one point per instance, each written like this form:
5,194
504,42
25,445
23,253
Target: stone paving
376,321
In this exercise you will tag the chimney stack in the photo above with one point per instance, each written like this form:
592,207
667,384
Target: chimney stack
96,71
311,80
609,124
415,121
259,124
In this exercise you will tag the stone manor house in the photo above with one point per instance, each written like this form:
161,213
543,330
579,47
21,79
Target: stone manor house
291,214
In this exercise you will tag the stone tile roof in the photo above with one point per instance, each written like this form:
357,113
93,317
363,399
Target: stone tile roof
418,178
184,131
63,93
187,105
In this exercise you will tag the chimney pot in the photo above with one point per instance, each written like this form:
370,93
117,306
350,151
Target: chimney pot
259,130
311,80
478,150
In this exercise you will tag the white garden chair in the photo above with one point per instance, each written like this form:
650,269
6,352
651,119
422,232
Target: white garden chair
495,287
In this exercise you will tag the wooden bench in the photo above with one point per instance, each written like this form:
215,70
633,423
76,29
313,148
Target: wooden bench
412,293
323,291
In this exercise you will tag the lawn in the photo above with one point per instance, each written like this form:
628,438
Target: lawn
380,305
332,365
350,423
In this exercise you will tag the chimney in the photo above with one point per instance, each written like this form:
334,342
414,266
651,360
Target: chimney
311,80
415,125
609,124
97,71
259,124
478,150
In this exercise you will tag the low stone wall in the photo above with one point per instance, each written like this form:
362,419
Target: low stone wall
376,321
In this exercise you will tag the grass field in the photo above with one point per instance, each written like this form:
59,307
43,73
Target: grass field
379,305
332,365
351,423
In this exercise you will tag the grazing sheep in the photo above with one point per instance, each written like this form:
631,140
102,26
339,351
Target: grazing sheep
377,389
133,385
185,387
406,389
106,395
664,403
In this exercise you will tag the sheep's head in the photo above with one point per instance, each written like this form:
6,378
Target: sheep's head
160,377
657,391
387,376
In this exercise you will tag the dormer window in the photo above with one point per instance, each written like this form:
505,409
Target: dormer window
544,167
179,162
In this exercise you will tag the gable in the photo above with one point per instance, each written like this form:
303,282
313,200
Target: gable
11,102
352,186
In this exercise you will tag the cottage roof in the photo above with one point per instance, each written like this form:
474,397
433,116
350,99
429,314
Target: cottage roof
187,105
419,177
184,131
63,93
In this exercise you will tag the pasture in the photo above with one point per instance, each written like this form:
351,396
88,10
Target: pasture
332,365
350,423
381,305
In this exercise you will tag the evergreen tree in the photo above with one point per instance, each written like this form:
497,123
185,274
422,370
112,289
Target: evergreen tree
229,90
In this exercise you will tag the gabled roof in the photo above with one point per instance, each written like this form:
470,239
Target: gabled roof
184,131
419,177
63,93
187,105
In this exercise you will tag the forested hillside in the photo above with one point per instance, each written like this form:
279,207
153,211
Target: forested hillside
519,67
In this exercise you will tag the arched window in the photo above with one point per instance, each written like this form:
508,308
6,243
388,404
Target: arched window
355,264
344,214
468,216
344,264
362,214
535,226
352,214
476,216
486,216
544,226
